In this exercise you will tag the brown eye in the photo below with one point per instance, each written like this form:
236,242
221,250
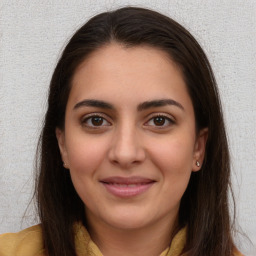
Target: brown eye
95,121
159,120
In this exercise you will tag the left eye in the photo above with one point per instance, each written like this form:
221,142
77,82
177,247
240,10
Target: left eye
95,121
160,121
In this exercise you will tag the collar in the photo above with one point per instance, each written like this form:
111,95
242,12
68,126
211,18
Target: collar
86,247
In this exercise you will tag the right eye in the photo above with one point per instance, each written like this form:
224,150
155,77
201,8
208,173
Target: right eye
95,121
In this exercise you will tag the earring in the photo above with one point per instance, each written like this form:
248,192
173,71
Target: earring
197,164
65,166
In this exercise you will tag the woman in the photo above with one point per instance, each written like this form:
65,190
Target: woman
133,154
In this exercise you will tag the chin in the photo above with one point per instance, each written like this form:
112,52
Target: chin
130,220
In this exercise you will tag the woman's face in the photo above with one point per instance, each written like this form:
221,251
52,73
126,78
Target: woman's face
129,140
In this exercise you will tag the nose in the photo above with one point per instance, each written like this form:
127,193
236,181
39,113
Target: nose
126,148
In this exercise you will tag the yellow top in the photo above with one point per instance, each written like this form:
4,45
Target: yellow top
29,243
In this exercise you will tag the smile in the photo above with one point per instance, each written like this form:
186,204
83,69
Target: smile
127,187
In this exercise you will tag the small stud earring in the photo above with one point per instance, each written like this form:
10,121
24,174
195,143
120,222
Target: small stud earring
64,164
197,164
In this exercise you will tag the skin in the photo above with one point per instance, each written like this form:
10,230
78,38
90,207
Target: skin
126,138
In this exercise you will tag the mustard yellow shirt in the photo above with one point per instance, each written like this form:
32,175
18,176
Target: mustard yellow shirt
29,242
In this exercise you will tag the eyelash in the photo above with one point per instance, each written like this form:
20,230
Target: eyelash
170,121
88,118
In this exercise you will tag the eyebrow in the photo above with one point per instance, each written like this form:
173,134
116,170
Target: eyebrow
142,106
158,103
94,103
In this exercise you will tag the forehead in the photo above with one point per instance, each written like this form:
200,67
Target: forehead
110,54
118,71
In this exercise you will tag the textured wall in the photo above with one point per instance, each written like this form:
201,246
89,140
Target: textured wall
32,33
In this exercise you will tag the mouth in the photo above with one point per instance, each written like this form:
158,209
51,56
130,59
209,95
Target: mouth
127,187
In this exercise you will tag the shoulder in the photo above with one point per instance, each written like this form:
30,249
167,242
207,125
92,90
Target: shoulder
27,242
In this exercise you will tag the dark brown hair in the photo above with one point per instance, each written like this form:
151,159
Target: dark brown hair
204,206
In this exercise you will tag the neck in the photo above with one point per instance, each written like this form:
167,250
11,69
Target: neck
151,240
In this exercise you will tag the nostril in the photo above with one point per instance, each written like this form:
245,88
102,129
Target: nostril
126,160
125,149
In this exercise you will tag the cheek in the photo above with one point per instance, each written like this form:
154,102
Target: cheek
173,155
85,154
173,160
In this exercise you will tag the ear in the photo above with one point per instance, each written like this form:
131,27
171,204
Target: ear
60,134
199,150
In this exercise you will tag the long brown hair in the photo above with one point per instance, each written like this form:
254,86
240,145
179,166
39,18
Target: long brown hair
204,207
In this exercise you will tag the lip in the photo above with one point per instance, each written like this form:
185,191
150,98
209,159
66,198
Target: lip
127,186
